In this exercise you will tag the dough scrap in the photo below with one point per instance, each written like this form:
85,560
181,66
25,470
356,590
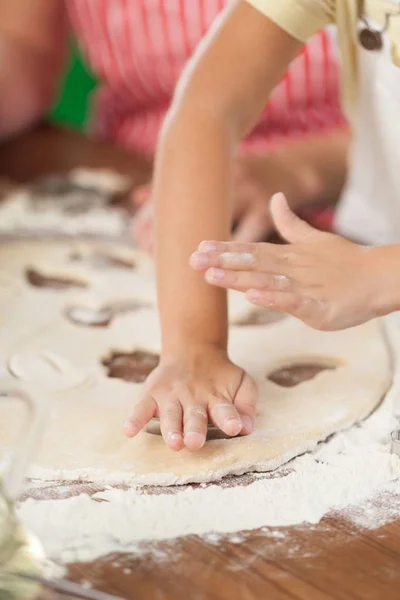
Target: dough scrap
84,438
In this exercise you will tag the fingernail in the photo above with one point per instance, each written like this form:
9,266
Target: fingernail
129,429
253,296
215,274
194,440
199,260
174,436
234,425
247,424
207,247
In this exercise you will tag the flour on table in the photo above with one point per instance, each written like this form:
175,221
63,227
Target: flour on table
353,473
77,203
105,180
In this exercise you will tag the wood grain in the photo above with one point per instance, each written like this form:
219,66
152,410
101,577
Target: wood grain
334,560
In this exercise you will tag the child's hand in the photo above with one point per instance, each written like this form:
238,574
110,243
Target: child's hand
255,179
188,393
143,224
251,214
321,278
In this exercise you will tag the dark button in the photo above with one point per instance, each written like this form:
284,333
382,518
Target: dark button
370,39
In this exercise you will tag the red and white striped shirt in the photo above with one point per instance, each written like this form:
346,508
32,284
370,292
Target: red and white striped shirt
138,49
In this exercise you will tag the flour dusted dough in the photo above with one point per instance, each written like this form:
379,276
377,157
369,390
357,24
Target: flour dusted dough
40,347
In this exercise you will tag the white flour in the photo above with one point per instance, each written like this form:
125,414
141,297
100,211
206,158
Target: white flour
19,214
351,468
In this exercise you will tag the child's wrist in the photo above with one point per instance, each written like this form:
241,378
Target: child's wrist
191,350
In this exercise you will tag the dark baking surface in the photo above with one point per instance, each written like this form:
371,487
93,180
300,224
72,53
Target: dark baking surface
333,560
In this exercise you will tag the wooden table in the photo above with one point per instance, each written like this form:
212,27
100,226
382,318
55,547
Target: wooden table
333,560
48,149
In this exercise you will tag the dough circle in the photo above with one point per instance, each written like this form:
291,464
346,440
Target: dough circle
84,438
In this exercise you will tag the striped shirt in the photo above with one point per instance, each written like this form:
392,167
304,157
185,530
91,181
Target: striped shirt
138,49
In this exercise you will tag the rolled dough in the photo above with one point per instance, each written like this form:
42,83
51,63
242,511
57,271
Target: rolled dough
42,348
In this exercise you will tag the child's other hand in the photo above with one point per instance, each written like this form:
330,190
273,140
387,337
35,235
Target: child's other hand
324,280
251,215
143,224
255,180
188,393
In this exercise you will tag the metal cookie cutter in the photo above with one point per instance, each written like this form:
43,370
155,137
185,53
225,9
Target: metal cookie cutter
395,441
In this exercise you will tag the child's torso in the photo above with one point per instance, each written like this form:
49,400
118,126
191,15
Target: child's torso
139,47
370,206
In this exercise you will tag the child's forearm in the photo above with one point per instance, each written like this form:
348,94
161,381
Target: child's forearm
193,202
218,101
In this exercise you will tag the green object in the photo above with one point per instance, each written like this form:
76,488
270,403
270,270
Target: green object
72,106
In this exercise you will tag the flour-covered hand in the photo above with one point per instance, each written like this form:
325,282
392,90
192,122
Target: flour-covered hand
326,281
188,393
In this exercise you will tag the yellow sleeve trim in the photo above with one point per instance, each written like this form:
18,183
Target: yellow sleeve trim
294,16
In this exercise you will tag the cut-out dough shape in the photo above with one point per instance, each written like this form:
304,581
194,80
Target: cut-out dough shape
133,366
295,374
45,370
85,316
84,438
259,316
53,282
89,317
102,260
79,192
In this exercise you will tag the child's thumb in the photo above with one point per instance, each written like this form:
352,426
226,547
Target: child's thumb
290,226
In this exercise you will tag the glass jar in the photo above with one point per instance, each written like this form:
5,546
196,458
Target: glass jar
20,552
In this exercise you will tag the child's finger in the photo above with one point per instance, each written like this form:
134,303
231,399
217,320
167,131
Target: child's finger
143,232
254,226
218,247
245,403
231,260
306,309
246,280
171,424
142,414
141,194
289,225
268,258
138,230
225,416
195,421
